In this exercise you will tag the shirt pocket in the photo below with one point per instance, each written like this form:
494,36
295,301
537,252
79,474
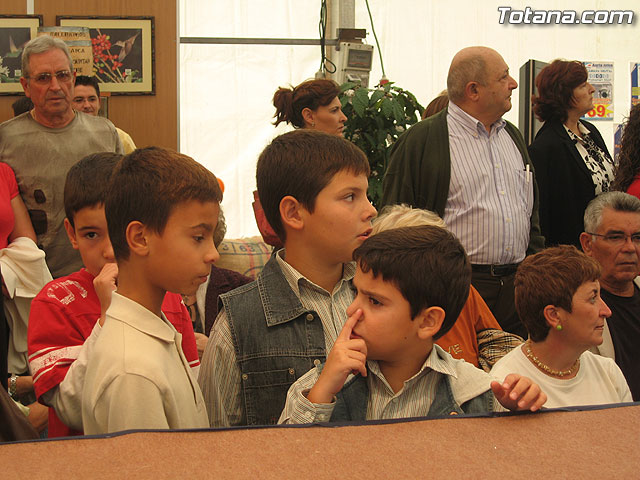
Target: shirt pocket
524,189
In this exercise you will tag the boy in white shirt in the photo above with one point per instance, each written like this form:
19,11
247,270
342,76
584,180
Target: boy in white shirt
162,209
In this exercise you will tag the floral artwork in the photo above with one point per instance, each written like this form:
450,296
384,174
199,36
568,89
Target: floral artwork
11,45
15,32
117,57
122,50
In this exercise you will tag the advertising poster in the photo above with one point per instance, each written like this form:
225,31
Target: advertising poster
601,77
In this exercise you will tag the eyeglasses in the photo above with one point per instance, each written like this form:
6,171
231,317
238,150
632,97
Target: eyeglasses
619,239
45,78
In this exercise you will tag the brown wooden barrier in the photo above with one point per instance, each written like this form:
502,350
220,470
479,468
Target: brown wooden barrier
584,444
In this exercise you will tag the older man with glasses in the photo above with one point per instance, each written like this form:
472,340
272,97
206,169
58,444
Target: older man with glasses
42,144
612,237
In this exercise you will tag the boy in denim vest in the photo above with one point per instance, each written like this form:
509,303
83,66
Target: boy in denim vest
411,285
313,188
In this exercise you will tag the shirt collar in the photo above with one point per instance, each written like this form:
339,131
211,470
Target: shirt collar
295,278
472,124
583,130
136,316
434,362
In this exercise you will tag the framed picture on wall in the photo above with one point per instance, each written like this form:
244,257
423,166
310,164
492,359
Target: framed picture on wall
123,52
15,32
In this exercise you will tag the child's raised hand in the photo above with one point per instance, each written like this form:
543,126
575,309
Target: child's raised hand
348,355
105,285
519,393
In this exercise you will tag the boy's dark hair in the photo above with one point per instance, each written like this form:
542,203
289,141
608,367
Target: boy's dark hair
87,181
550,277
301,163
147,185
427,264
88,81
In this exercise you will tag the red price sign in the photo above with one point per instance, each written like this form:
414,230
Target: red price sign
599,111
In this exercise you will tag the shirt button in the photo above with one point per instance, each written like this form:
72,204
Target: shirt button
309,317
497,165
501,192
508,220
245,376
291,371
316,362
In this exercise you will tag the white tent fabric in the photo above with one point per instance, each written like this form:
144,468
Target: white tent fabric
226,90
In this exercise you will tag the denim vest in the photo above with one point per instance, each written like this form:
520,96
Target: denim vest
351,401
276,341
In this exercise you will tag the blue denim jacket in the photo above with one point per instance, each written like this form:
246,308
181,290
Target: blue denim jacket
351,401
276,341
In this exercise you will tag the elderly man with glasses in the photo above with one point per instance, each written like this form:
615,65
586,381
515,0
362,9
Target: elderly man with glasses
612,237
42,144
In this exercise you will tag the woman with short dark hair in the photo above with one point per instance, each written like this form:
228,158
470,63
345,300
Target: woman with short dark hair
557,297
571,160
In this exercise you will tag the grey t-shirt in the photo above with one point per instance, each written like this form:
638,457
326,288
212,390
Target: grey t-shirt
41,157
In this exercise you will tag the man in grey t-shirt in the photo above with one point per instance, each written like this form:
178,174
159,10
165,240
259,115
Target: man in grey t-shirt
42,144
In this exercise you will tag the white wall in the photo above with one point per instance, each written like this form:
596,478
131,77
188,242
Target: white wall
226,91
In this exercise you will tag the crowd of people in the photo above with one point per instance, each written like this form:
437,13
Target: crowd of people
498,276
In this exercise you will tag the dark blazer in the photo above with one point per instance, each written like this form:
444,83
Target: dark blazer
564,182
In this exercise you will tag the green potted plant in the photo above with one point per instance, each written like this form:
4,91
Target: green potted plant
376,117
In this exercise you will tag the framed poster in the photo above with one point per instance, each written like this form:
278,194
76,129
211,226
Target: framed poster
123,52
15,32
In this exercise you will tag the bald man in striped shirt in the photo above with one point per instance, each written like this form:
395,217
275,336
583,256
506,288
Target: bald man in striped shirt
471,167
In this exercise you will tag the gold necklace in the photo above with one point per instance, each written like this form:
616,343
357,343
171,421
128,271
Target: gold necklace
545,368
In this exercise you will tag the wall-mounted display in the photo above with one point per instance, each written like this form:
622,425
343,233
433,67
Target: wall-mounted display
123,52
15,32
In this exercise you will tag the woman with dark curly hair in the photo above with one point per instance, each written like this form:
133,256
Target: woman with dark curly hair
627,173
571,160
312,104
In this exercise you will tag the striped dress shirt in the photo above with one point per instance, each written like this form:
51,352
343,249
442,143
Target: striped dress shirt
220,376
490,192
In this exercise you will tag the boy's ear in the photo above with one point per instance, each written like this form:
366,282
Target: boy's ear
290,213
429,322
71,233
137,238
